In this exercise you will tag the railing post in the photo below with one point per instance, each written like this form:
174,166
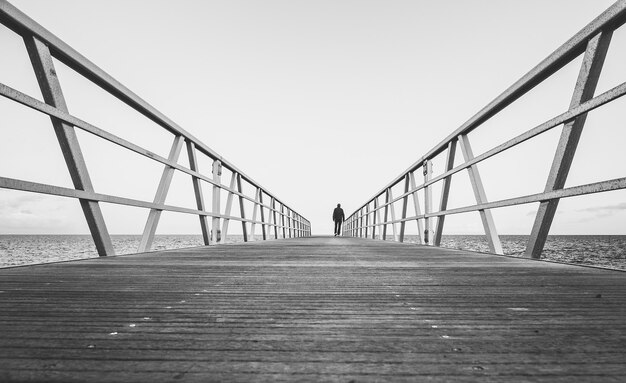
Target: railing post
53,95
217,177
197,189
392,211
367,219
445,192
376,212
289,222
350,229
262,215
481,197
353,226
588,76
380,222
254,213
405,201
386,214
242,211
416,205
229,204
360,223
274,215
269,218
428,200
296,225
282,218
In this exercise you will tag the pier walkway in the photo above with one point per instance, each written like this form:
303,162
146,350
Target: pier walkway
312,309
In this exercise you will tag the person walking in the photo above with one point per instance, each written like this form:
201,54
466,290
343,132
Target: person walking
338,217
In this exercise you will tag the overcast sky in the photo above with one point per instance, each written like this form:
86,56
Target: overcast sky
322,102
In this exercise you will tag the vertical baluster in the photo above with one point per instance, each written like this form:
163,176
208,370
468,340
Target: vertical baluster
405,201
360,223
428,201
217,177
386,214
445,192
274,215
367,220
294,221
282,217
262,215
376,213
380,222
270,223
289,222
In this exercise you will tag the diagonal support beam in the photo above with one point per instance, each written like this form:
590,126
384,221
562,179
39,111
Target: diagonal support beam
481,197
392,211
386,214
262,210
416,205
405,201
445,192
53,95
585,88
197,189
161,194
229,205
242,209
254,214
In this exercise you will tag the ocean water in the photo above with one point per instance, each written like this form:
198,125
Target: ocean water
24,249
594,250
597,250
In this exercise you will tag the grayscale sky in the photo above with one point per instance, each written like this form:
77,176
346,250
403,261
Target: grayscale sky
322,102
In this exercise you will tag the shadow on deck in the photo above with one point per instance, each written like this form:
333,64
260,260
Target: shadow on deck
319,309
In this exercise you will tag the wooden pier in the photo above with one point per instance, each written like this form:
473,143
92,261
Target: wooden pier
312,309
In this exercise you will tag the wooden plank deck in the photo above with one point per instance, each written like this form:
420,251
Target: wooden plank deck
312,309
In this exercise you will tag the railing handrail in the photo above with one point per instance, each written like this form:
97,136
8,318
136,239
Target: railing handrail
42,46
20,22
593,40
612,18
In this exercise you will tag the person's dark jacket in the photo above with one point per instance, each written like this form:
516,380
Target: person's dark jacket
338,215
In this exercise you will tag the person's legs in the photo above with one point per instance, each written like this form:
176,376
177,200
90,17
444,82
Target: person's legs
337,227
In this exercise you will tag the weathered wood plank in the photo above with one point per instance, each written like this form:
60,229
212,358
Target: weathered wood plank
321,308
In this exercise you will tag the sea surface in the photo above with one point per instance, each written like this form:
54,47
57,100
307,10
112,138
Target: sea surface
596,250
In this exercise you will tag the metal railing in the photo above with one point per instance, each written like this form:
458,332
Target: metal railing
42,46
592,42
